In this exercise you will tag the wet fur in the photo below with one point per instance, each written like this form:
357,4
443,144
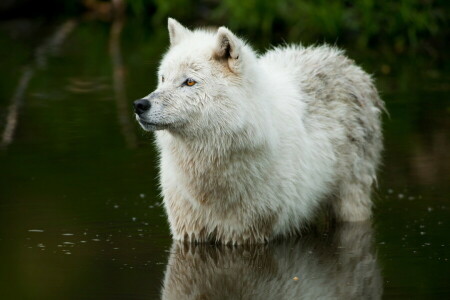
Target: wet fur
253,150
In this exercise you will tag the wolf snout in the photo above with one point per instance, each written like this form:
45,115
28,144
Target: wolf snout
141,106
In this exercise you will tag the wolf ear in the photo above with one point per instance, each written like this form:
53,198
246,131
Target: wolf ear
176,31
228,48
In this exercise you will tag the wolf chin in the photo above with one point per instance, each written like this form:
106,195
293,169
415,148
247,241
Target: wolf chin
252,146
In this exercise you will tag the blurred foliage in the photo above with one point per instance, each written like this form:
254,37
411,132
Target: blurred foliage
398,25
394,26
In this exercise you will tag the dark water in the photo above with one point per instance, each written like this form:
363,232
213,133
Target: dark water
80,212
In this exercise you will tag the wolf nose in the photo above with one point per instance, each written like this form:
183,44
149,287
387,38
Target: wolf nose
141,106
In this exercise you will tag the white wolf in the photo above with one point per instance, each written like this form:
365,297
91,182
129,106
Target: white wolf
253,145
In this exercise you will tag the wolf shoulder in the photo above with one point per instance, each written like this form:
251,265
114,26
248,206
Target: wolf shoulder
321,73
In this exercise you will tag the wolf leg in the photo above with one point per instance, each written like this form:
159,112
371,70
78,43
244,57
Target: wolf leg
353,202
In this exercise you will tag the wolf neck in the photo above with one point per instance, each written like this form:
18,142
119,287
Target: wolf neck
216,171
251,147
218,147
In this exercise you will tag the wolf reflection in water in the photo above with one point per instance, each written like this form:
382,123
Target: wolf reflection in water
339,265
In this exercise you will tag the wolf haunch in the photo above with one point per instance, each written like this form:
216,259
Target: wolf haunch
252,146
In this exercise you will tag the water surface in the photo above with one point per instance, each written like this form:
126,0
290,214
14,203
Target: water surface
81,215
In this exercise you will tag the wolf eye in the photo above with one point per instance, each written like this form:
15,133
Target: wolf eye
162,78
190,82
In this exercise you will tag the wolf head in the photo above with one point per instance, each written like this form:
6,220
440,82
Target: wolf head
204,83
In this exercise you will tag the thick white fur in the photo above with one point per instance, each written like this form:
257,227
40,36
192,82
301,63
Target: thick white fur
252,150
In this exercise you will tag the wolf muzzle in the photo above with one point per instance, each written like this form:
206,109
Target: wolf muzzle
141,106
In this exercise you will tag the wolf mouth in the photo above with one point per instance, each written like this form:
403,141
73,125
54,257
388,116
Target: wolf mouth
153,126
149,123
